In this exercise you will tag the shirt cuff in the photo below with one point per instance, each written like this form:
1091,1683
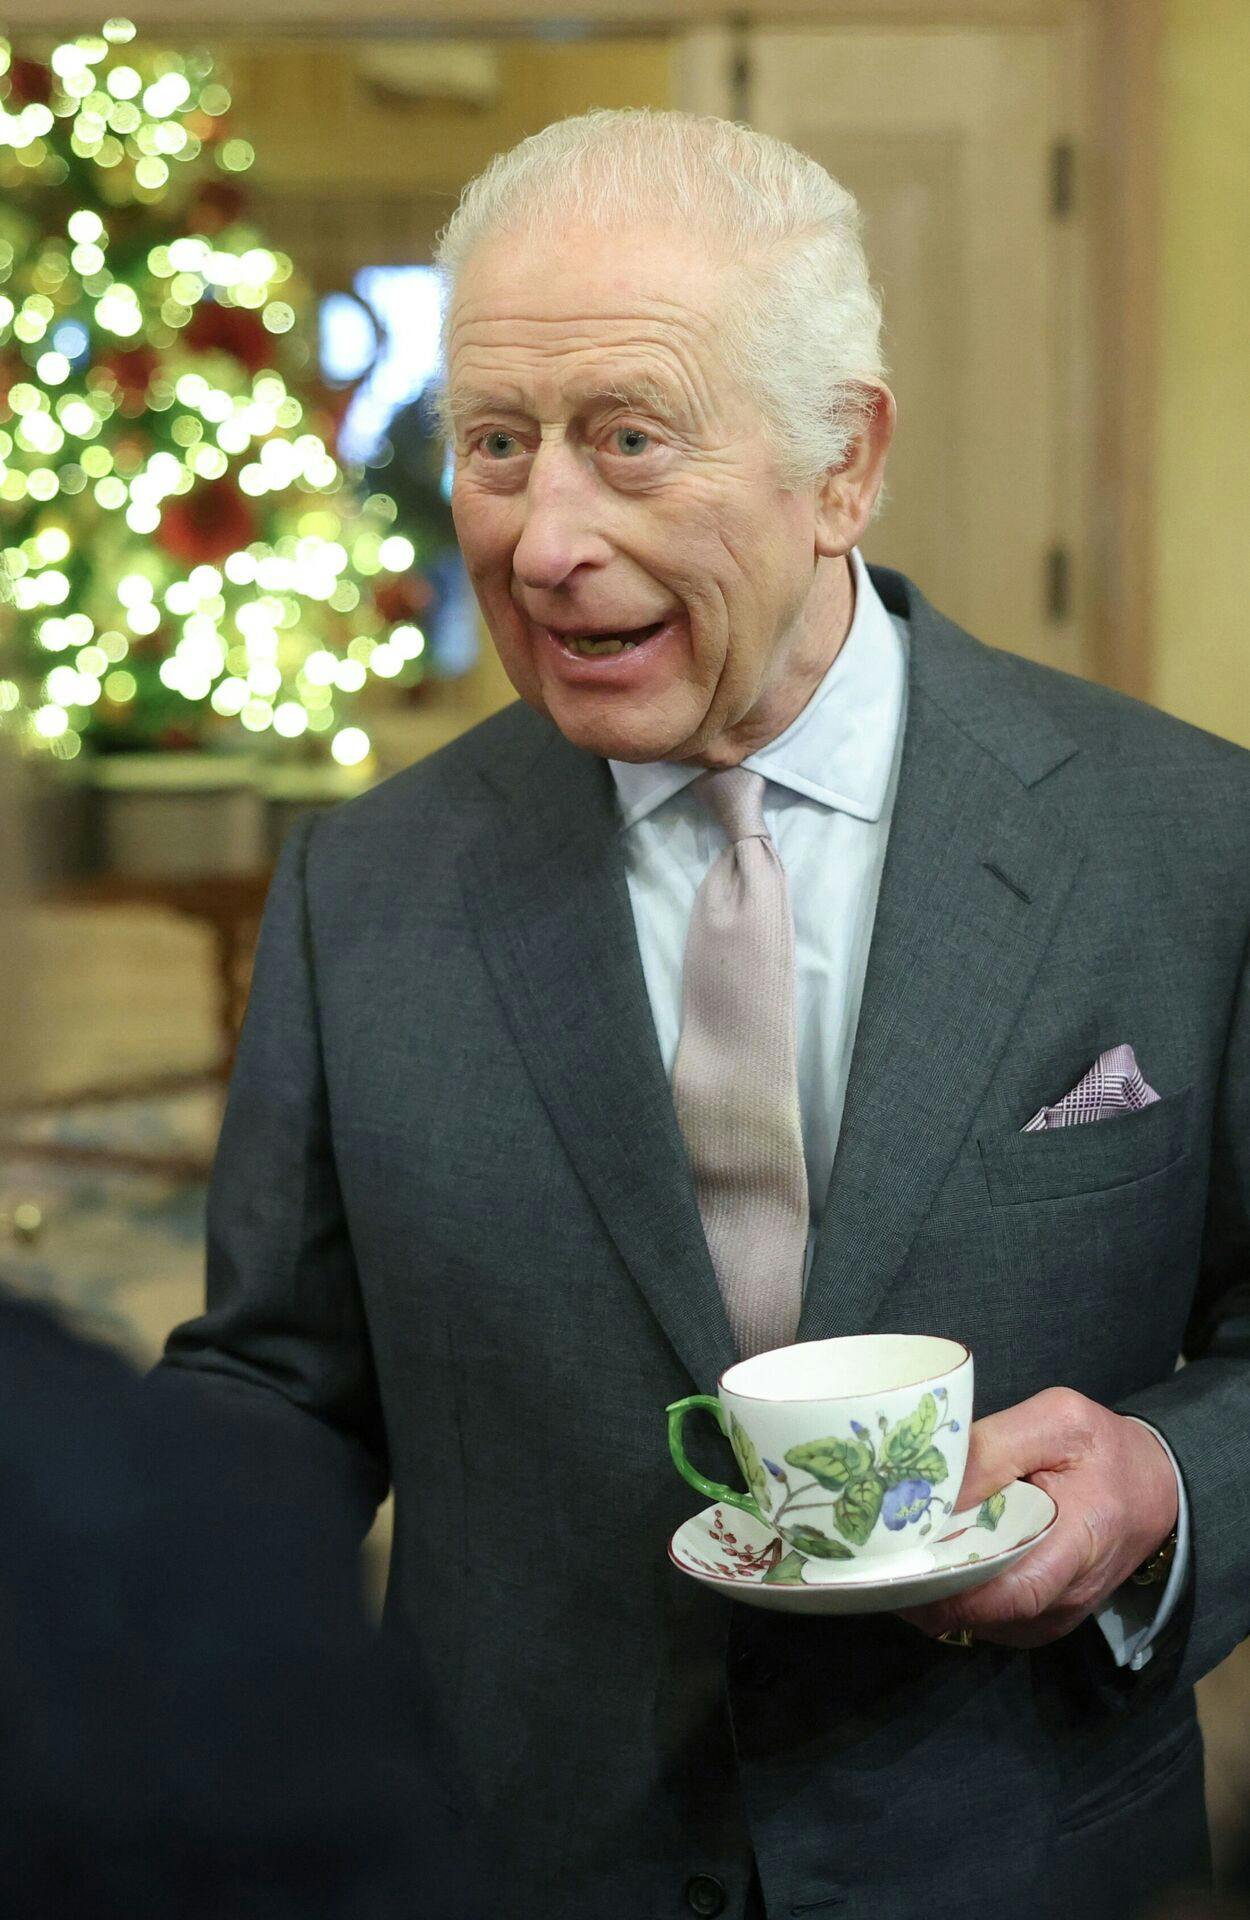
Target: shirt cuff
1132,1619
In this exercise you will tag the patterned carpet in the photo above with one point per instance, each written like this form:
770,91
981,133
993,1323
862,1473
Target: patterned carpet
119,1255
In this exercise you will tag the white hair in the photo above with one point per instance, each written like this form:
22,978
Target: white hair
802,332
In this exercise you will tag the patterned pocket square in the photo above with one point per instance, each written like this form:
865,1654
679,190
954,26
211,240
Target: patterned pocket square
1114,1084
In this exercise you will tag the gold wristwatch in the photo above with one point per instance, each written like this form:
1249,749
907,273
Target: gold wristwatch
1154,1571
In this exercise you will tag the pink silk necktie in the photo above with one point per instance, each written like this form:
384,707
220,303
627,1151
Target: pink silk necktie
735,1078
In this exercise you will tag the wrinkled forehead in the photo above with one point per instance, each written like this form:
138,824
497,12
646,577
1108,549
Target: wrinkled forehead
638,298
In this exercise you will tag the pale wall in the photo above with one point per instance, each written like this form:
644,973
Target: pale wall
1202,566
313,117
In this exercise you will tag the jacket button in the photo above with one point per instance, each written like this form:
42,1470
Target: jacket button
705,1894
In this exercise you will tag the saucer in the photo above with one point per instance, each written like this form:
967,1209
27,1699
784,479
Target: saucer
742,1557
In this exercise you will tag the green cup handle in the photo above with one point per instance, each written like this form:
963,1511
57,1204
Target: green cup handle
712,1488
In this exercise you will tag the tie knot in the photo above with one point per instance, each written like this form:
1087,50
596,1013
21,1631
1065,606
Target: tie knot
736,797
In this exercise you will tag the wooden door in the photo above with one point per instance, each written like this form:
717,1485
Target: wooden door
956,144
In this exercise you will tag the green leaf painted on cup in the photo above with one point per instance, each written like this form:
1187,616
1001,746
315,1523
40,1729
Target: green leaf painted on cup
787,1572
834,1463
912,1434
931,1466
855,1514
992,1511
748,1459
817,1545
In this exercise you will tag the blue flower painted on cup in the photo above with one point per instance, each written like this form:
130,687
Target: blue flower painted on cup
906,1503
887,1476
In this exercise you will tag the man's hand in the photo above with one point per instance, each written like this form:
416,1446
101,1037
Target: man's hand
1115,1490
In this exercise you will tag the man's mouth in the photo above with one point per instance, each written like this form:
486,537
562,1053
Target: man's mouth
588,645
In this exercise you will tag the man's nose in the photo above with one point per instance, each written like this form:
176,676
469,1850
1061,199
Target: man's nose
560,532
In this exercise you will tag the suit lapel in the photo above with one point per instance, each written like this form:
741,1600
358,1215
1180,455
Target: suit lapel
545,886
980,862
978,867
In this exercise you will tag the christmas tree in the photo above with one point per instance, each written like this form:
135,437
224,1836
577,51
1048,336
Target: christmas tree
188,563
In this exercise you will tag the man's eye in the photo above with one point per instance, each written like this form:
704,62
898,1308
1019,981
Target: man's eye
631,441
498,445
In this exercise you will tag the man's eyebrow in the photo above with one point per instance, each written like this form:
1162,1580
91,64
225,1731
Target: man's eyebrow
459,401
652,396
636,391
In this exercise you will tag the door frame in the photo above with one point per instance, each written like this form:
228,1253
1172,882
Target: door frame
1124,135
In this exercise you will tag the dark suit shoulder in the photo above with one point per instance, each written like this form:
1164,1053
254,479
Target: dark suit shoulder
1034,717
450,784
1152,787
1109,722
405,836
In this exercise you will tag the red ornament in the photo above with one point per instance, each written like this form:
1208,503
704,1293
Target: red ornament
132,368
206,524
12,369
403,597
233,330
216,205
30,83
131,450
208,127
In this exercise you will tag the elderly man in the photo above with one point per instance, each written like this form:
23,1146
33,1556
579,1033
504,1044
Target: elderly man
529,1137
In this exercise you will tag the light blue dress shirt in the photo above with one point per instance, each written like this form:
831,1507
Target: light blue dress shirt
830,782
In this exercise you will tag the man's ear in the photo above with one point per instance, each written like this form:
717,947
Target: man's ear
845,496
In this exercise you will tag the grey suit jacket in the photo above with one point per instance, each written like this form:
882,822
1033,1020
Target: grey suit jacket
453,1234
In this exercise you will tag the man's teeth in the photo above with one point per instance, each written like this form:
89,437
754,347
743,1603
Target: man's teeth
612,644
593,643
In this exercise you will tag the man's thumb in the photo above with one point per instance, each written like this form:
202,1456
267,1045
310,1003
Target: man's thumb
1009,1446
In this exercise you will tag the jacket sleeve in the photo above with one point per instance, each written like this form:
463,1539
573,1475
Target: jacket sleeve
1203,1411
284,1332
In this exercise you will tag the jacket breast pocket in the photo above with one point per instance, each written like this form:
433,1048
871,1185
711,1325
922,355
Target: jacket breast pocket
1098,1228
1091,1157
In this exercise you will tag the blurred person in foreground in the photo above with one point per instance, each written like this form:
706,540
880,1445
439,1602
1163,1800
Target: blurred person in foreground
195,1720
497,1183
196,1723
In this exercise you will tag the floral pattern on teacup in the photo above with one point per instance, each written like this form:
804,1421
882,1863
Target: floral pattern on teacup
738,1561
989,1514
852,1482
771,1565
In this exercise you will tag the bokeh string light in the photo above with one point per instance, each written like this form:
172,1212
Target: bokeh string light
188,561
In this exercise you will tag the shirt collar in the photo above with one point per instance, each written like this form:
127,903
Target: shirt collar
839,750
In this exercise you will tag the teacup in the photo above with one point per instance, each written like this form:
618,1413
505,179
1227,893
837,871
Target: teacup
852,1449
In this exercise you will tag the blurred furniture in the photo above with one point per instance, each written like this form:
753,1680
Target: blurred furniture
229,906
168,817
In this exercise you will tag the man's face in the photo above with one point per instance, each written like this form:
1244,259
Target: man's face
613,487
